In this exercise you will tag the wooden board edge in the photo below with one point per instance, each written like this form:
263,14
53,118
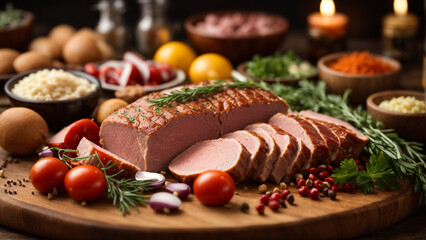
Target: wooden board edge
380,215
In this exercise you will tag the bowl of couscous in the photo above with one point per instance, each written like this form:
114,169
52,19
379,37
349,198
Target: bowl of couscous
401,110
59,96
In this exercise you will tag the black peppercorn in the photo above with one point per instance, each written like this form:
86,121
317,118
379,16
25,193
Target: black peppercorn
244,207
332,194
290,198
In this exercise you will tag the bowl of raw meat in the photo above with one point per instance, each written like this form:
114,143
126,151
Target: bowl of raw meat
238,35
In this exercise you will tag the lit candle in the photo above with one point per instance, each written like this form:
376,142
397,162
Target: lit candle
399,32
327,30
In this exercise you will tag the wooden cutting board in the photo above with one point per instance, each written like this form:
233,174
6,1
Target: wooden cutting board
353,214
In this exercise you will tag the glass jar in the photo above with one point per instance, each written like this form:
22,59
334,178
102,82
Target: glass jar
153,28
110,25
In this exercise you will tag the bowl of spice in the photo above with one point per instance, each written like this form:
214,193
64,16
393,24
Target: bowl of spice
362,72
286,68
401,110
59,96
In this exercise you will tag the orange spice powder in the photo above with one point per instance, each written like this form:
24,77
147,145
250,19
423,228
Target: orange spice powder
361,63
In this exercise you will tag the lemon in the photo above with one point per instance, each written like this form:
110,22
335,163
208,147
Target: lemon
210,66
176,54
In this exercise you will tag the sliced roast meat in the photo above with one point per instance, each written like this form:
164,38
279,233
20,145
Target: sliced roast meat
271,156
227,155
325,118
303,130
330,138
352,141
287,145
150,138
256,146
87,148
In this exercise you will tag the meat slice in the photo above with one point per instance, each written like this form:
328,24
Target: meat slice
87,148
352,141
271,156
304,131
256,146
325,118
219,154
288,149
150,138
330,139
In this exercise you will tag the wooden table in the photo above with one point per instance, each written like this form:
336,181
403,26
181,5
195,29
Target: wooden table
413,227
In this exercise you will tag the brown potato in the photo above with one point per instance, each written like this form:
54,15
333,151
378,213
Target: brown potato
31,60
61,34
108,107
7,56
22,131
46,47
81,49
107,52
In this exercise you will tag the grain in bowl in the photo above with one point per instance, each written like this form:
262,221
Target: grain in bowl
403,104
52,84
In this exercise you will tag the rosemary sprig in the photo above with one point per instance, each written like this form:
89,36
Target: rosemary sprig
185,95
406,158
125,193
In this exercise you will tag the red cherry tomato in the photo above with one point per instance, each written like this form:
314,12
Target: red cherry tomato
91,69
214,187
85,183
70,136
47,173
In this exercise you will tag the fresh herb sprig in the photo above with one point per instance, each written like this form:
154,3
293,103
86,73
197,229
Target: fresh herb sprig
406,157
378,172
279,65
185,95
11,17
125,193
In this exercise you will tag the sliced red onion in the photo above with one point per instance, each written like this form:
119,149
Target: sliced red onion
47,153
140,63
164,202
111,63
182,189
142,175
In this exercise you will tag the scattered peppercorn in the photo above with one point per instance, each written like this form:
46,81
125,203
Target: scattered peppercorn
335,188
290,198
330,168
15,192
301,183
313,170
260,208
276,196
292,184
314,193
276,190
326,185
318,184
274,205
323,174
285,193
309,183
329,180
312,177
325,191
268,193
298,177
264,199
283,185
304,191
321,168
332,194
282,203
348,187
32,192
262,188
244,207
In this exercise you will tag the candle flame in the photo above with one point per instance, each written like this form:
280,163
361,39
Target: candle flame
327,8
400,7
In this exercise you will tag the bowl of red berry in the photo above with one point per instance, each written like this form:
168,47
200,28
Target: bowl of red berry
134,69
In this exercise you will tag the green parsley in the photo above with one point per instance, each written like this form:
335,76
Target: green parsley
131,119
378,172
126,113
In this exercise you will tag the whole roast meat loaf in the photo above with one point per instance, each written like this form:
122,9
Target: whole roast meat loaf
150,138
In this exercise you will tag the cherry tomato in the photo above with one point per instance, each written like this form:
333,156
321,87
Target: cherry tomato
70,136
85,183
91,69
47,173
214,187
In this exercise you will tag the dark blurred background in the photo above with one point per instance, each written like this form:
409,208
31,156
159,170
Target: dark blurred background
365,15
